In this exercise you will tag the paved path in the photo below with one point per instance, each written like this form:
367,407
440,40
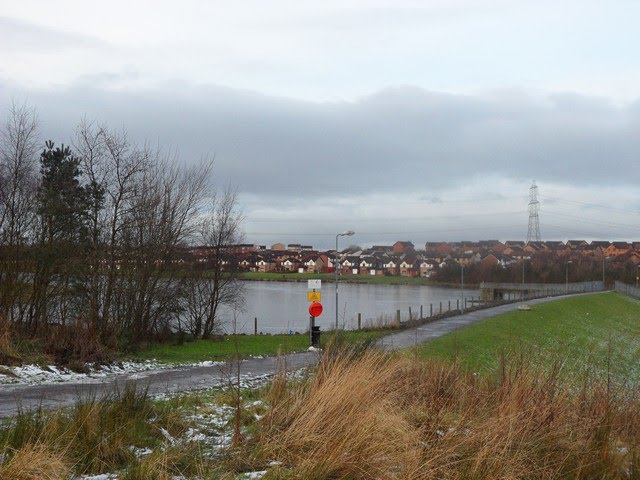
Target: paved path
424,333
28,397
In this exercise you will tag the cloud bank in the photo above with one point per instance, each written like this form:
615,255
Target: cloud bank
402,143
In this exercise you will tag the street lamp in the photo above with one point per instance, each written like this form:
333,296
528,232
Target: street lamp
524,262
567,276
603,260
462,288
346,233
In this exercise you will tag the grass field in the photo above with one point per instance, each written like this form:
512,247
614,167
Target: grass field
593,335
224,347
330,277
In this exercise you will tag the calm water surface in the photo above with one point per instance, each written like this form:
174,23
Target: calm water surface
282,306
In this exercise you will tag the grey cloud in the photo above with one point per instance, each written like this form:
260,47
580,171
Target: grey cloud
402,139
19,35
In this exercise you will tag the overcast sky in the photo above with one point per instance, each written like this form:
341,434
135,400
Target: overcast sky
419,121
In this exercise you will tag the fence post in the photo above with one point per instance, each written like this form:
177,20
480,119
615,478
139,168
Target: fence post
359,321
457,304
398,316
255,325
440,308
421,317
449,305
410,316
431,309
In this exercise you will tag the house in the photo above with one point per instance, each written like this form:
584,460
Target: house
403,247
391,267
573,244
366,264
381,248
495,246
289,264
600,246
466,258
534,247
437,257
315,263
427,266
349,265
409,267
554,245
469,247
582,250
371,265
514,243
247,263
630,256
516,253
431,246
445,248
265,264
617,248
494,259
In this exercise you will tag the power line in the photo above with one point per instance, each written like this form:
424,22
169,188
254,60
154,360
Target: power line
377,218
592,205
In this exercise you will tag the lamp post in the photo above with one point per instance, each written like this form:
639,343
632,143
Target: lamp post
346,233
524,262
567,276
462,288
603,260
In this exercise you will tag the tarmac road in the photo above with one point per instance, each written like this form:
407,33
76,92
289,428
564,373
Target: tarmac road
14,398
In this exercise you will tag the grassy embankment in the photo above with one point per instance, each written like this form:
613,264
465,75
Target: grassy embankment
590,335
330,277
225,347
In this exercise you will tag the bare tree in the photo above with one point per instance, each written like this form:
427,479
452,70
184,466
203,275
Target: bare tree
216,285
18,162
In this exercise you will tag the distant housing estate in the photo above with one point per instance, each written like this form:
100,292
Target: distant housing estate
403,259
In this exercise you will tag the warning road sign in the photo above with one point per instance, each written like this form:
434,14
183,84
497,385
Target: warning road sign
313,296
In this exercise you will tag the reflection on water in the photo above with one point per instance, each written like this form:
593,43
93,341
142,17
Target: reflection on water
283,306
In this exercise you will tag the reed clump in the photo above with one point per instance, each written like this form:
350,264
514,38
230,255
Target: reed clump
93,437
372,416
35,462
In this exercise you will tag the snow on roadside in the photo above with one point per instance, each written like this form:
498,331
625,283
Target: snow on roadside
102,476
35,374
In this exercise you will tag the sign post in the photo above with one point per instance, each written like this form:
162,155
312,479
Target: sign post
315,310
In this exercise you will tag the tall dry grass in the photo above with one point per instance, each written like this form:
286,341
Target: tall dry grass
346,423
93,437
35,462
369,417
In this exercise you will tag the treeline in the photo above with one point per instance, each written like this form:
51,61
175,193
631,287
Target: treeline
90,235
543,267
